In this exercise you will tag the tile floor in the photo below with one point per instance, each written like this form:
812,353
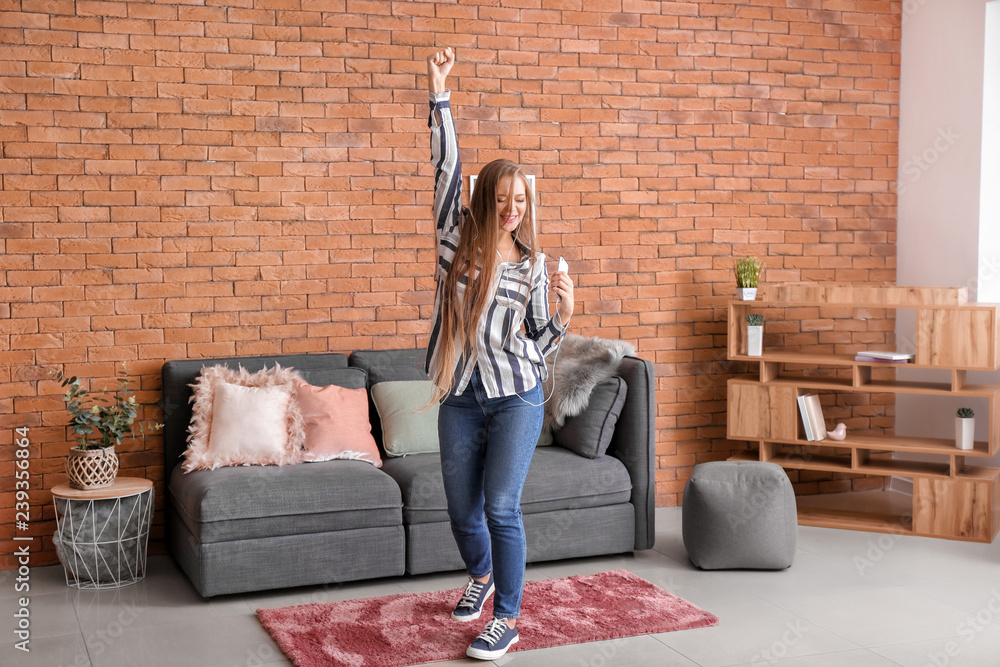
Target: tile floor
851,598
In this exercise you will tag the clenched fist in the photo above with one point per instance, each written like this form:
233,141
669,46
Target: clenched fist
439,64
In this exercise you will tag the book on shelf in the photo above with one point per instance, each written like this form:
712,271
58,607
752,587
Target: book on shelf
804,413
812,417
887,357
873,360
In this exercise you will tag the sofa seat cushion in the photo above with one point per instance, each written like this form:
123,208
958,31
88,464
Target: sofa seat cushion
245,502
557,480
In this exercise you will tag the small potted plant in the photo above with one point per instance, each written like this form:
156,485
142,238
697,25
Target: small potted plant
747,277
965,428
755,334
100,422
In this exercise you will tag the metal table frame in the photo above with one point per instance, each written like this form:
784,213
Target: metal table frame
85,573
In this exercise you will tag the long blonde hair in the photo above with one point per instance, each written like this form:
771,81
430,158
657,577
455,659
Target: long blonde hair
476,258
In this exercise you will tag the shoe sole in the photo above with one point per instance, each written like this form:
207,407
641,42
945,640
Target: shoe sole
480,654
465,618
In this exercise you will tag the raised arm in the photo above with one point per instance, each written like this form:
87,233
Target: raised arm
444,146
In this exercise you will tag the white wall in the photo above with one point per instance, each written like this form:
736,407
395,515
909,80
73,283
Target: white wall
989,193
940,167
940,117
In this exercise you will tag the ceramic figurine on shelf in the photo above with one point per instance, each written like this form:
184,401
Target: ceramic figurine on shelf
838,433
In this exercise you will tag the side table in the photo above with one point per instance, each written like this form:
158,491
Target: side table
101,534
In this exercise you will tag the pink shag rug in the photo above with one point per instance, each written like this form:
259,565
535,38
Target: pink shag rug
413,628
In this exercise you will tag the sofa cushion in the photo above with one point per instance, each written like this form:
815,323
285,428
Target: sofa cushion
557,479
385,366
247,502
336,423
408,414
243,418
179,375
250,425
589,433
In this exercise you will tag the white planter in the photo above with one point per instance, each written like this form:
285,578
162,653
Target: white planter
965,429
755,341
748,293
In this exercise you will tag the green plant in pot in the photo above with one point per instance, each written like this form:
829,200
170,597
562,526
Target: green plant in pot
748,277
100,421
755,334
965,428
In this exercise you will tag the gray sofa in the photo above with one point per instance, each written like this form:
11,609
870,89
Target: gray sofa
252,528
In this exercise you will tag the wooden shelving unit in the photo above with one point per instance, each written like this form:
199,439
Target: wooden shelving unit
952,496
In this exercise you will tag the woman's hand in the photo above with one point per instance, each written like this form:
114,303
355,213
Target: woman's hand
438,66
563,286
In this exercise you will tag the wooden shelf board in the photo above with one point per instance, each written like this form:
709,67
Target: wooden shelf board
928,388
870,524
899,443
883,386
846,360
779,303
839,384
818,359
801,358
980,390
890,443
901,468
977,472
814,462
877,522
878,511
884,512
881,467
866,295
900,295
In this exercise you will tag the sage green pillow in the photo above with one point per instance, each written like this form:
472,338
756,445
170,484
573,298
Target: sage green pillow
407,428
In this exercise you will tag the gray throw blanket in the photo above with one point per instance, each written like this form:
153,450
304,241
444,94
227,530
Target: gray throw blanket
580,365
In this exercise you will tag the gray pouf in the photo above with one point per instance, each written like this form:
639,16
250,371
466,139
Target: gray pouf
739,514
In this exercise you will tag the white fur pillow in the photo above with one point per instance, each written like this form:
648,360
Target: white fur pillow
243,418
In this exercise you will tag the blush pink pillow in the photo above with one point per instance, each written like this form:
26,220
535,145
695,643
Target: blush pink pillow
336,423
244,418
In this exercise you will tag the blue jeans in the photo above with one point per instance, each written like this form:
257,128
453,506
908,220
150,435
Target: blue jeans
486,448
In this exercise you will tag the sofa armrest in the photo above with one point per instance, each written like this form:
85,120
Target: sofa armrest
634,444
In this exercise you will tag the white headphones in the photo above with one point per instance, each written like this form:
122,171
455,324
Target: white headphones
562,267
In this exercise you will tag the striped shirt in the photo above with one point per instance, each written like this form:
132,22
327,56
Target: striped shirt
510,360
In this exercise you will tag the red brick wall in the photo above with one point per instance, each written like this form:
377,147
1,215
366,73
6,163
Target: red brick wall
185,181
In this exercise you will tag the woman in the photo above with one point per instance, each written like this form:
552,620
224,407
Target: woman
486,354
